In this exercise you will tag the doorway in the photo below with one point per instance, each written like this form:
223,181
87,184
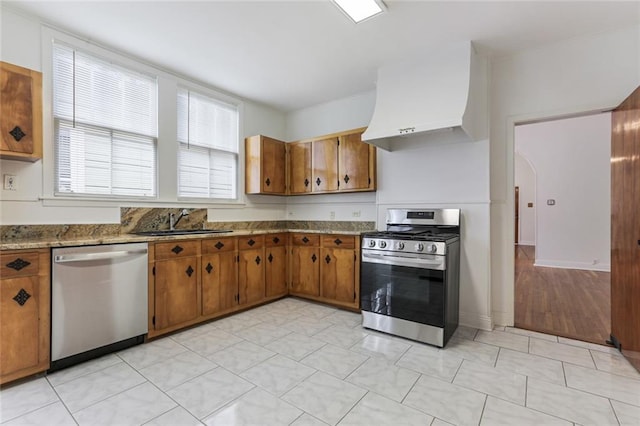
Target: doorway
562,255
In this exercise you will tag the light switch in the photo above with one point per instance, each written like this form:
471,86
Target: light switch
551,202
529,205
10,183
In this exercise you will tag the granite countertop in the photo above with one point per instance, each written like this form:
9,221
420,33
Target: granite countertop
48,242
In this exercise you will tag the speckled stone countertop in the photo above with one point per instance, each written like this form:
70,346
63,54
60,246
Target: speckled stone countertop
20,237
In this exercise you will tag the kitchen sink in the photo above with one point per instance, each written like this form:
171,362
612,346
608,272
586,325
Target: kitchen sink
167,232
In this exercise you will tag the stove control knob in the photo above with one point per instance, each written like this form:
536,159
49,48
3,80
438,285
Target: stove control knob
400,245
372,243
382,243
419,247
431,248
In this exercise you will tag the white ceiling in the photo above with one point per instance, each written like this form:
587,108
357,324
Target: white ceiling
293,54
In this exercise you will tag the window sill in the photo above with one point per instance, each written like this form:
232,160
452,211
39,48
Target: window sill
62,201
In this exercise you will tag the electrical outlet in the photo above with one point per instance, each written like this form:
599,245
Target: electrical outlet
10,182
356,213
551,202
332,215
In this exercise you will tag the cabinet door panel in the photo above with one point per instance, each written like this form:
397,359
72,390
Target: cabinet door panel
305,270
300,167
219,282
251,275
20,324
338,274
273,166
325,165
275,271
176,291
16,106
353,162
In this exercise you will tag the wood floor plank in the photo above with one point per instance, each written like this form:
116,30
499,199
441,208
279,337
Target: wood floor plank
565,302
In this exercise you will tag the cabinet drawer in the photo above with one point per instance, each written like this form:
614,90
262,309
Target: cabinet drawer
305,239
18,264
339,241
218,245
250,242
177,249
275,240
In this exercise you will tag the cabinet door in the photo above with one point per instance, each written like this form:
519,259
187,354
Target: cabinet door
353,163
275,271
219,282
19,98
299,167
337,274
273,166
305,270
325,165
251,275
19,319
176,291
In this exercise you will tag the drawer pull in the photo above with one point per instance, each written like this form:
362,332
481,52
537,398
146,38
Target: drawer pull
251,242
270,258
314,258
219,245
327,259
18,264
338,241
268,181
276,240
346,179
306,183
305,240
22,297
177,249
257,260
209,268
318,181
189,271
17,133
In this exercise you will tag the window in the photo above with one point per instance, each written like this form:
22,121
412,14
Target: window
105,119
208,147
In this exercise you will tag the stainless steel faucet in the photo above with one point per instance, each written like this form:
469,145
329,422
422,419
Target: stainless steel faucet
173,222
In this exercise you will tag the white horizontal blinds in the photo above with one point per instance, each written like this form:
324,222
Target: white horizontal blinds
106,126
208,151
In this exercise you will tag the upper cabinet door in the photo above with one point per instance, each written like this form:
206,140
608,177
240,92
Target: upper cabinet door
325,165
299,167
354,160
265,165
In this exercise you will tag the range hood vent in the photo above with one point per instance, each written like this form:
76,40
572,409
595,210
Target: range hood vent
441,96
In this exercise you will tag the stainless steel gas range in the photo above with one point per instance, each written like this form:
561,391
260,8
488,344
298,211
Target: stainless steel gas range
410,275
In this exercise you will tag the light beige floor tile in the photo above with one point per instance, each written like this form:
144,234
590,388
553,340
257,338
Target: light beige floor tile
278,374
295,346
387,380
340,335
431,361
241,356
587,345
464,332
374,409
383,347
531,365
628,415
208,343
142,356
492,381
614,363
174,371
503,339
176,417
609,385
51,415
530,333
336,361
472,351
262,334
561,352
307,420
498,412
68,374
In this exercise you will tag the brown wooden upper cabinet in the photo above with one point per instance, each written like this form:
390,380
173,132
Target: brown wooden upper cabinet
20,113
339,162
265,166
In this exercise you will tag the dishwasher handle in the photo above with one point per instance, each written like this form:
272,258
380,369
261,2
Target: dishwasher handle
86,257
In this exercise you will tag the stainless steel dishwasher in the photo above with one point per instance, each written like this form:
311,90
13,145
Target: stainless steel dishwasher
98,301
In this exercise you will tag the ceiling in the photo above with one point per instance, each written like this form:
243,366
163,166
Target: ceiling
293,54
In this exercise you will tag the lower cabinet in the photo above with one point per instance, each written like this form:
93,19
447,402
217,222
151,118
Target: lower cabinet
251,265
305,265
25,324
219,275
275,268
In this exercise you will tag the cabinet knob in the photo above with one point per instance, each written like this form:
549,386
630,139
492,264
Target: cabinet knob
18,264
17,133
327,259
257,260
177,249
276,240
189,271
219,245
270,258
251,242
306,182
22,297
346,179
268,181
314,258
318,181
338,241
209,268
305,240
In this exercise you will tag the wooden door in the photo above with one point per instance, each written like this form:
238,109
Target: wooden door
273,166
324,161
337,274
305,270
219,282
353,163
299,167
251,283
625,228
176,291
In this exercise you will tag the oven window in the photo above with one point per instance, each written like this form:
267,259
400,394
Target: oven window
412,294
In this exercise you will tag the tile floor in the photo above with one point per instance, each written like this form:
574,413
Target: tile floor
297,363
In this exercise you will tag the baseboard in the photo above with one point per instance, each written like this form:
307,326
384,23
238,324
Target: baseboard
473,320
503,318
602,267
526,243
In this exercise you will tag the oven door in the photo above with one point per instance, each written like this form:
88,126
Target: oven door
410,288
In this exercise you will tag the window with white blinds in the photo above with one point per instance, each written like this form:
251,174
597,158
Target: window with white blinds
208,147
105,119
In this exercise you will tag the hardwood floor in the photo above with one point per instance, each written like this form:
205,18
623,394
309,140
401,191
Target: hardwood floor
566,302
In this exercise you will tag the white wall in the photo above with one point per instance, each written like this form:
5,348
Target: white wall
575,232
525,180
22,45
591,73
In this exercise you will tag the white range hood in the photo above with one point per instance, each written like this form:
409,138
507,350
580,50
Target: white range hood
442,95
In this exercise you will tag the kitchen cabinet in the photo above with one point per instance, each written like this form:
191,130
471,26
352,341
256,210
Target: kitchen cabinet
21,113
299,167
356,163
176,277
265,166
251,283
339,269
219,275
305,265
275,266
324,161
25,316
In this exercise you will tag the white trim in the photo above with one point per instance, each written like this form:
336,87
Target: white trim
134,202
468,319
526,243
503,318
564,264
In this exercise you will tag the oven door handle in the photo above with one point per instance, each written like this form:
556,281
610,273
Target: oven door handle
414,262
